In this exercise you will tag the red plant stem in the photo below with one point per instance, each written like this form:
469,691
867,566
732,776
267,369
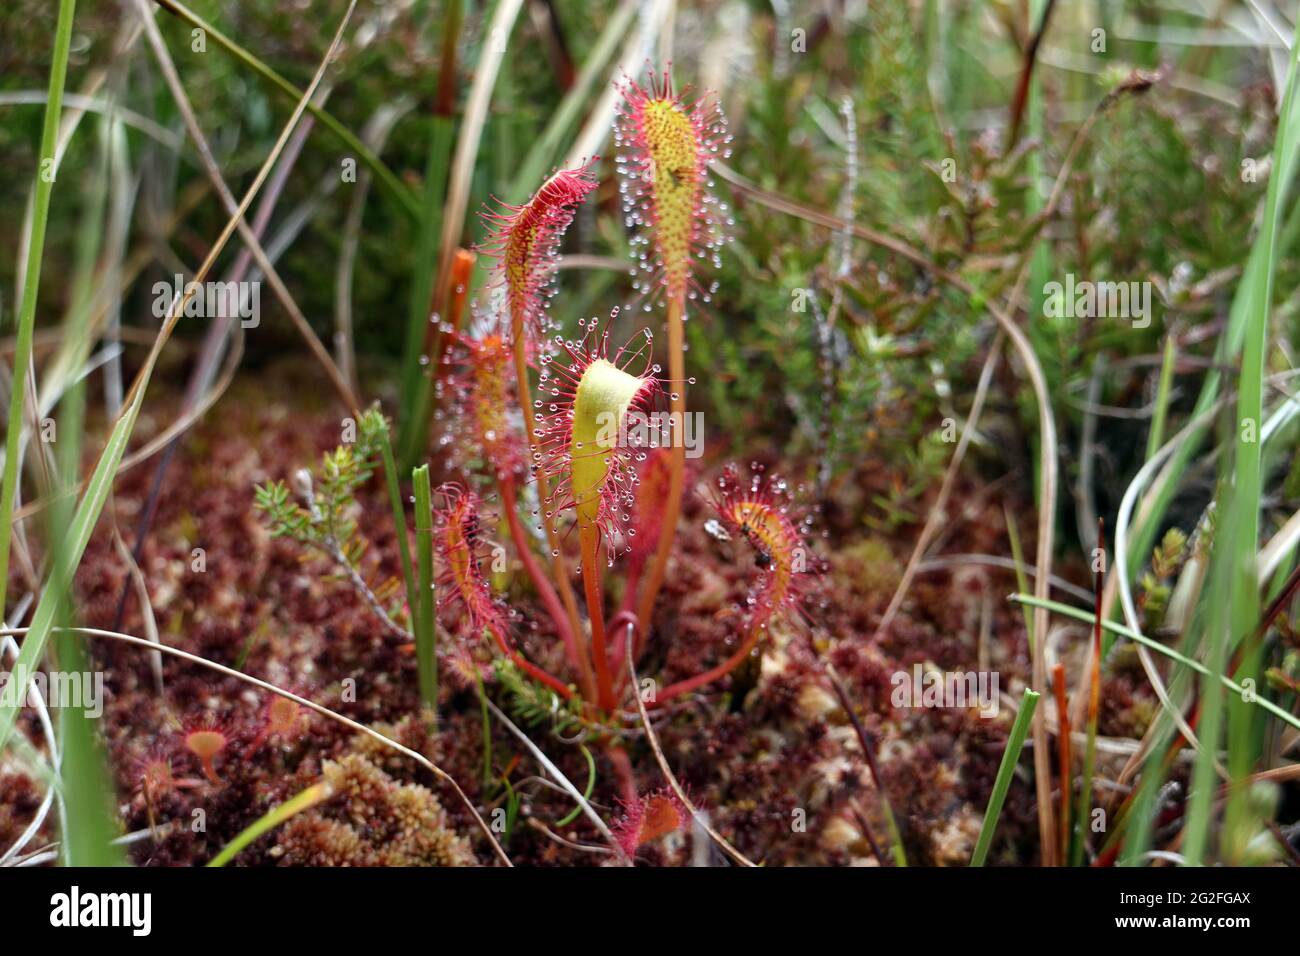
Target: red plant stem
529,667
558,568
631,584
589,538
709,676
634,643
625,639
1063,753
256,744
506,487
623,767
209,771
677,467
1094,701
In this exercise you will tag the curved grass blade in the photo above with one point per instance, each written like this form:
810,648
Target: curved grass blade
31,284
1056,607
268,821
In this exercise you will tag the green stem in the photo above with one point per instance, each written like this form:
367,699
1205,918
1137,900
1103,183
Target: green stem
591,786
416,383
399,518
1156,437
414,424
1238,550
425,627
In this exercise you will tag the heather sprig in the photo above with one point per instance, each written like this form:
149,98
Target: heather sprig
321,512
325,509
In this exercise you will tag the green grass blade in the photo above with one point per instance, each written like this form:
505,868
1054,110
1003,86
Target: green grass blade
78,536
1237,551
419,396
88,791
270,820
1243,306
1156,436
1140,823
424,277
1200,802
90,820
31,286
399,517
1018,556
442,136
424,623
1010,757
1056,607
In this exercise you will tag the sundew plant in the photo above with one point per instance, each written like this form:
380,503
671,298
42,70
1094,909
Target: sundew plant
649,433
